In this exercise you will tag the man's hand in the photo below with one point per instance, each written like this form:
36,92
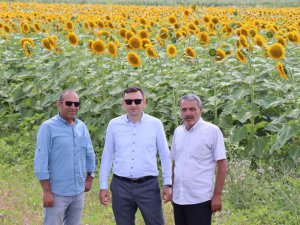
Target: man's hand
216,203
48,199
88,183
166,194
104,196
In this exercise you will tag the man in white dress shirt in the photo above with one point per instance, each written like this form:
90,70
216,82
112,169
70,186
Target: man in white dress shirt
197,150
132,144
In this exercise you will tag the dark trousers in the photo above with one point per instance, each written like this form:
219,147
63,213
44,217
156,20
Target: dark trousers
196,214
128,197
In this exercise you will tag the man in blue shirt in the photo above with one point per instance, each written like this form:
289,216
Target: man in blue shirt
64,163
132,143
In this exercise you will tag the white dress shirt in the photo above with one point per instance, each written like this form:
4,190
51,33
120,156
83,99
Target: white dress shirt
133,148
196,152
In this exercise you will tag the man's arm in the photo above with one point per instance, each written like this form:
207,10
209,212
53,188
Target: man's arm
106,164
216,202
90,162
164,154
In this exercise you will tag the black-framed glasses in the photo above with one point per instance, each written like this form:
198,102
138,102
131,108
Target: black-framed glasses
69,103
130,101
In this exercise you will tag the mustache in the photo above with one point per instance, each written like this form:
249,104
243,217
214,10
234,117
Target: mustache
188,117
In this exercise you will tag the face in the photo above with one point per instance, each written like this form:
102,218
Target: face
133,109
190,112
68,112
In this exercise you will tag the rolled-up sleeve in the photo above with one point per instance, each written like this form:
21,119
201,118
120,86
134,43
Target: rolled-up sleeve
41,158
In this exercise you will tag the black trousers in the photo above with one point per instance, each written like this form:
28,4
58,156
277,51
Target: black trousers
196,214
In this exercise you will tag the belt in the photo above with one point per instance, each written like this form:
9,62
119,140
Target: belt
134,180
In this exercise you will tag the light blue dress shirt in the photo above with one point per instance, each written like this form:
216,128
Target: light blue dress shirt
64,153
133,148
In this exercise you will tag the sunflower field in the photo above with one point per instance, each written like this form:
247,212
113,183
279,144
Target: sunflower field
243,62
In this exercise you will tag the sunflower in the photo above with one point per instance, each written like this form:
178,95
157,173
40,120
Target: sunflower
151,53
172,19
171,51
128,34
244,31
241,56
243,41
281,69
103,33
25,28
27,49
143,34
143,21
281,41
37,26
134,59
122,32
46,44
215,20
259,40
135,43
190,52
164,33
28,40
69,25
146,43
98,47
276,51
100,24
72,38
112,49
203,37
206,19
293,36
186,12
89,44
220,55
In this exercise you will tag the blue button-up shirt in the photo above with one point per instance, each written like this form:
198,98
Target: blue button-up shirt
64,153
133,147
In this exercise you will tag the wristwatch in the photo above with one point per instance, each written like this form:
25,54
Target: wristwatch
90,174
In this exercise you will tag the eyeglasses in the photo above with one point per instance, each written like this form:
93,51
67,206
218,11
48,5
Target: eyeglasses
130,101
69,103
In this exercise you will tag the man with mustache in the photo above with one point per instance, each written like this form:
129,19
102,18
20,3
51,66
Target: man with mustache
197,150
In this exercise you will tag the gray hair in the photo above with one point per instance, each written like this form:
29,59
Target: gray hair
191,97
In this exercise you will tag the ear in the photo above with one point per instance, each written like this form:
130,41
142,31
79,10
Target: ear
145,101
58,104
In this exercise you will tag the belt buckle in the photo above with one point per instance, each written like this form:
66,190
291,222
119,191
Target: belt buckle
135,181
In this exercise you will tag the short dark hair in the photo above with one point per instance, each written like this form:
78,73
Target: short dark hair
133,89
61,97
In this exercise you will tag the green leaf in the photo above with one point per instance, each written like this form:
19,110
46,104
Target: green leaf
240,134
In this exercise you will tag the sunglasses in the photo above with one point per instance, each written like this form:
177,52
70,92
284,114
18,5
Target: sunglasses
69,103
130,101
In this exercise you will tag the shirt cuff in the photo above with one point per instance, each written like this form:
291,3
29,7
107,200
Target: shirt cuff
42,175
167,181
103,185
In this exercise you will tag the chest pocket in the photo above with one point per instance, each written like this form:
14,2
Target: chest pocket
81,141
201,150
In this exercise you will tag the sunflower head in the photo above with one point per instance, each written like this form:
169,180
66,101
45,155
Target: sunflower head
171,51
143,34
151,53
134,59
112,49
135,43
276,51
72,38
281,69
164,33
220,55
190,52
98,47
240,56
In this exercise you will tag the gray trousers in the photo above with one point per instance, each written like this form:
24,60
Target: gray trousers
128,197
66,210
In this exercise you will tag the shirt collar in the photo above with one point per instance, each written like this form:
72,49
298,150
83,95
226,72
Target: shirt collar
64,121
128,120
